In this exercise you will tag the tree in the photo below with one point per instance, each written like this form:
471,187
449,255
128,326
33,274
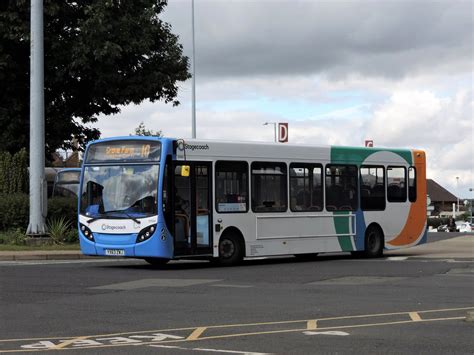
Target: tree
99,55
141,130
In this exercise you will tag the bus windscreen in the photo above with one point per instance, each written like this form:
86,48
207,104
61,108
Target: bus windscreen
124,151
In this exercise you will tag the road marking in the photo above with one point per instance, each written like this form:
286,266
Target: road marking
397,258
155,336
234,286
331,332
415,317
209,350
312,324
196,334
145,283
68,342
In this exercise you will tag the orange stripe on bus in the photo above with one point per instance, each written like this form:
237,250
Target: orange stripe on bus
415,224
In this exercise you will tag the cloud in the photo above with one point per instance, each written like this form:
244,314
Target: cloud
391,39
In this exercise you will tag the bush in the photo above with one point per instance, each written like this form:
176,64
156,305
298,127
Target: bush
14,211
13,237
13,172
59,207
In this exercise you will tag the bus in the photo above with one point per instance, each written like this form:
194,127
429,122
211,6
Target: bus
162,198
66,183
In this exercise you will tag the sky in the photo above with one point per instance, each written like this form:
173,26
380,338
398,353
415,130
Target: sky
397,72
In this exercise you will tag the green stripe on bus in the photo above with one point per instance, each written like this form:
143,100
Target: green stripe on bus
341,223
357,155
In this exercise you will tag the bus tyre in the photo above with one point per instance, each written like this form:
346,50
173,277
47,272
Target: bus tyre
157,261
373,243
231,250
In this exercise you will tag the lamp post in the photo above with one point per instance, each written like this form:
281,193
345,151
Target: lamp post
457,193
194,80
274,129
471,207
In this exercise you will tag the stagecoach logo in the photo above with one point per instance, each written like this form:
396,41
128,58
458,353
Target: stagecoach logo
182,145
112,228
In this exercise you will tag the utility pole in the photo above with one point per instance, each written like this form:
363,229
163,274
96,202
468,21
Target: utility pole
36,224
194,80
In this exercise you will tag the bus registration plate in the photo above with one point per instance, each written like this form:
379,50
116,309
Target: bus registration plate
114,252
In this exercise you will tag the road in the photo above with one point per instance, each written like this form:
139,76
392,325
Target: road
402,303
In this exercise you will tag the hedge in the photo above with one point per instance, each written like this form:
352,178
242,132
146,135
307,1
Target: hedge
14,210
13,172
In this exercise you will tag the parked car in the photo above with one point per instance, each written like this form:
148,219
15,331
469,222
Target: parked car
464,227
442,228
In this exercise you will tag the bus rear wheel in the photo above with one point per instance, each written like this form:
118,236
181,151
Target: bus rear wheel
373,243
231,250
157,261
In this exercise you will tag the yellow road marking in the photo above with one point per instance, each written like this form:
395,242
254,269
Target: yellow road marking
312,324
415,317
247,334
196,334
68,342
242,325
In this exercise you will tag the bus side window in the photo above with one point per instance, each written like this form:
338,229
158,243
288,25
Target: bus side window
396,184
232,187
341,188
372,188
269,187
306,187
412,184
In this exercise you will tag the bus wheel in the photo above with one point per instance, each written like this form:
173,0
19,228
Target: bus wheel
231,250
373,243
157,261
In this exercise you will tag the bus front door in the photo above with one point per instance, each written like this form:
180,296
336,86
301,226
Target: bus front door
192,209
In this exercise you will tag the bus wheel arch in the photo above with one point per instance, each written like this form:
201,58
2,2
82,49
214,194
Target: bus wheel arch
231,246
374,241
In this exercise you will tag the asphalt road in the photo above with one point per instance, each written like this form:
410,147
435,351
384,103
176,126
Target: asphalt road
335,304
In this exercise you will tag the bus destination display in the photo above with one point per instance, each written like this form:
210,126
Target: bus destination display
124,151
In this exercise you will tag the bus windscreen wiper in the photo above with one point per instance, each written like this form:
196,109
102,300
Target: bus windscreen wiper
125,213
95,218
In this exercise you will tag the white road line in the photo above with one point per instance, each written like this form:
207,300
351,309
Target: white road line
209,350
55,262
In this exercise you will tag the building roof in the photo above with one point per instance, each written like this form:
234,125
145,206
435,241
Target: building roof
438,193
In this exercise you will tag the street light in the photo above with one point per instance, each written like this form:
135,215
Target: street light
194,80
457,188
274,128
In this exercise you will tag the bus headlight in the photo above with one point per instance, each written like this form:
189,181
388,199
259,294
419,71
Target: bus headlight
146,233
87,232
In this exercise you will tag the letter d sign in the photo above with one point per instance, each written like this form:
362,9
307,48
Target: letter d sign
283,132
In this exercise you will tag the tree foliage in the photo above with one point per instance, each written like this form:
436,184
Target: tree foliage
99,55
141,130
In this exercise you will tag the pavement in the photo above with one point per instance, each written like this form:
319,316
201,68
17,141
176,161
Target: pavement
461,247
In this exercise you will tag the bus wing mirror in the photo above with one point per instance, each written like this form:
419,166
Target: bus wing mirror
185,170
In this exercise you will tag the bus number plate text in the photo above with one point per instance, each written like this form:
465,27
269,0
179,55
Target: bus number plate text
114,252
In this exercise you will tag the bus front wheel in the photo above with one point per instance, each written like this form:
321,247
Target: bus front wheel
231,250
374,243
157,261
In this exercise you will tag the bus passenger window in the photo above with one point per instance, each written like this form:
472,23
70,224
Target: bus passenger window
306,188
341,188
231,186
269,187
412,184
372,188
396,184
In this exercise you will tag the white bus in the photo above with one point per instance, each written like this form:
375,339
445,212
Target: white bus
229,200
